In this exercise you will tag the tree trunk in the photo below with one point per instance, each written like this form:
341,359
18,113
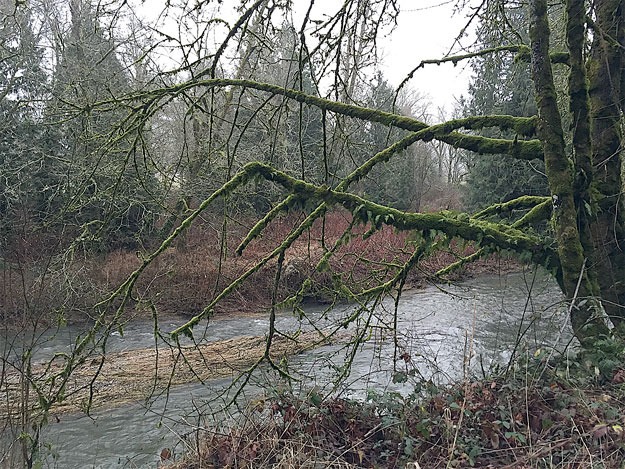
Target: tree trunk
587,325
608,229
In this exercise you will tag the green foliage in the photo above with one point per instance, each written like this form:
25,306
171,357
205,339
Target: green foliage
402,181
599,365
28,187
501,85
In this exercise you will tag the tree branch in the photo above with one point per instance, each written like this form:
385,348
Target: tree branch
521,50
521,149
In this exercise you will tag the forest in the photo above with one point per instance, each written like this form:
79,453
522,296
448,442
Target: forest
175,169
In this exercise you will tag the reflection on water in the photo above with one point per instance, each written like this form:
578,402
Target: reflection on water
439,328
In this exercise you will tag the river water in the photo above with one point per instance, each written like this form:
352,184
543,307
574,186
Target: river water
444,331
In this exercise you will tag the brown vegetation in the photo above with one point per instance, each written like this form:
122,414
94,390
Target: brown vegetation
532,419
134,375
189,275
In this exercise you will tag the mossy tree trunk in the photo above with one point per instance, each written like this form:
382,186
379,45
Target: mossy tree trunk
605,67
576,281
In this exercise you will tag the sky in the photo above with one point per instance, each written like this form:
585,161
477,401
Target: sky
426,30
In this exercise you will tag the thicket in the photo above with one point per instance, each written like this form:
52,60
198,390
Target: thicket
542,411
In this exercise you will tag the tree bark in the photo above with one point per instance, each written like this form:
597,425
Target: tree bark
580,119
587,326
608,229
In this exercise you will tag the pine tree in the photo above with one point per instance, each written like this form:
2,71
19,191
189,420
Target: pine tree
28,185
501,85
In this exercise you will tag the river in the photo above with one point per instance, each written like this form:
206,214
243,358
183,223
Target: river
440,327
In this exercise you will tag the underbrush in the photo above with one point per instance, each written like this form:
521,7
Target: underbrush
190,274
197,267
558,413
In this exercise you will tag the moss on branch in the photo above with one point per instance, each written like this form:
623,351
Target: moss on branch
494,236
524,55
519,149
354,176
522,52
524,126
538,214
540,210
462,262
521,203
523,149
451,223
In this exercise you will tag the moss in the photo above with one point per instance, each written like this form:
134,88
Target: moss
451,223
560,177
525,126
524,55
519,149
536,215
520,203
605,74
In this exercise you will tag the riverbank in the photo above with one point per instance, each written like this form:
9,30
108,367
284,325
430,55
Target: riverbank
433,323
193,272
539,415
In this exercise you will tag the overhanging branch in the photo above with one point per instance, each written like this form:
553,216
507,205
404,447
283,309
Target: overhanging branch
522,149
521,50
483,233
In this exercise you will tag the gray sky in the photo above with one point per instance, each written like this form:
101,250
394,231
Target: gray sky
426,30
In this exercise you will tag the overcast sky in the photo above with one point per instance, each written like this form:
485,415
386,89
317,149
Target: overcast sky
426,30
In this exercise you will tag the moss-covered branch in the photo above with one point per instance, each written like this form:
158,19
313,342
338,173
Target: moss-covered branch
524,55
450,223
356,175
537,214
521,50
521,203
523,126
484,233
523,149
462,262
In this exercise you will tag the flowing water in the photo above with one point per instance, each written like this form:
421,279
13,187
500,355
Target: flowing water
444,330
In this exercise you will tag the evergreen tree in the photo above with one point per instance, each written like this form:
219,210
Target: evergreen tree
501,85
402,181
28,185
